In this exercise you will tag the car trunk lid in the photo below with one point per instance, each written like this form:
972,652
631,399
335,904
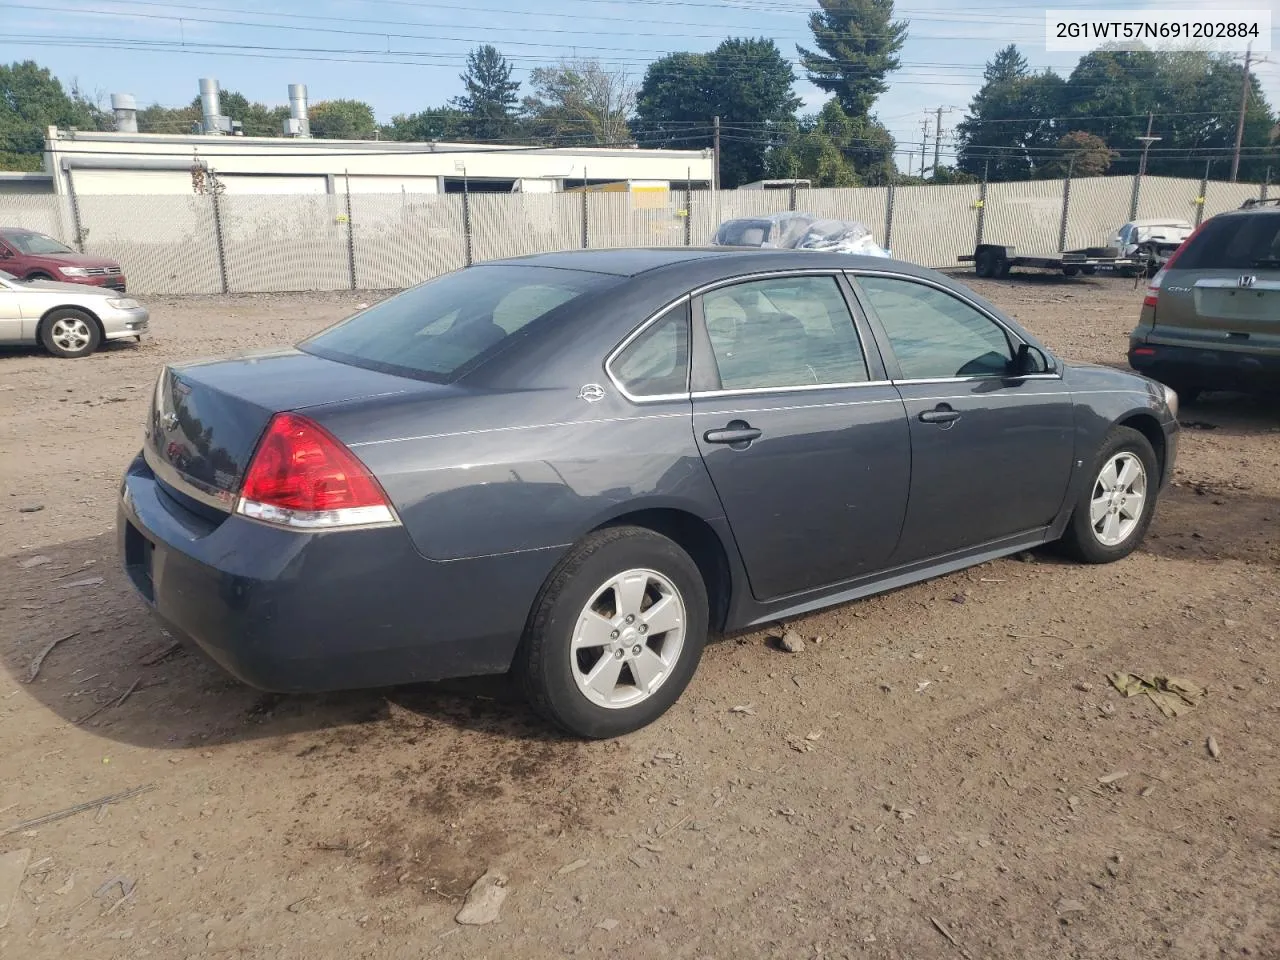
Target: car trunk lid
206,418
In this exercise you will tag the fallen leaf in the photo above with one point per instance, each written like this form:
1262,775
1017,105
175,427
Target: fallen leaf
1214,750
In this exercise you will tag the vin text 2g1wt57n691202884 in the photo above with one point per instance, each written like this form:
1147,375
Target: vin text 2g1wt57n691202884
577,465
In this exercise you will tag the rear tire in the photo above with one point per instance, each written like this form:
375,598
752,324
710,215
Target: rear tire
1114,511
588,661
70,333
1070,271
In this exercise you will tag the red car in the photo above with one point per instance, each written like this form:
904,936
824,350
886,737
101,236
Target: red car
33,256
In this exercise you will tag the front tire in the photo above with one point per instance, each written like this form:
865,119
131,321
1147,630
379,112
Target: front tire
70,333
616,634
1113,512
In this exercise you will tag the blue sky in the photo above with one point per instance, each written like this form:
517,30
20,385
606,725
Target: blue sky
405,55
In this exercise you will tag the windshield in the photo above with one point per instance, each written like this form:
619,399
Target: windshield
1235,242
37,243
444,328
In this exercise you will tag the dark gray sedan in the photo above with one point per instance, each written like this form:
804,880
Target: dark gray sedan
577,465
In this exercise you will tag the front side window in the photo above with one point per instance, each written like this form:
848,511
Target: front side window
935,335
783,332
442,329
656,363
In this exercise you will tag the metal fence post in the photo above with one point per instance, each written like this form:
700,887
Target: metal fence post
1266,186
217,237
1133,196
982,211
1204,193
1066,208
75,212
466,214
586,236
793,196
888,219
688,209
351,238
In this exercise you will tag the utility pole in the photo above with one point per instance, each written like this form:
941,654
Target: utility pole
924,143
937,136
1244,102
1146,142
715,173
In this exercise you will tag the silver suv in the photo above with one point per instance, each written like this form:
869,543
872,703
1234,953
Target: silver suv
1211,316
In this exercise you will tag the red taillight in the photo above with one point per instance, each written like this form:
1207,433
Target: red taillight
302,476
1144,351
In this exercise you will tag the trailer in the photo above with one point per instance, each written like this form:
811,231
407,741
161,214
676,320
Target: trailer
996,260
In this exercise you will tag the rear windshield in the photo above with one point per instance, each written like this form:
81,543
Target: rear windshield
442,329
1237,242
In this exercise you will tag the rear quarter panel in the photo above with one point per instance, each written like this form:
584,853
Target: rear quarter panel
528,470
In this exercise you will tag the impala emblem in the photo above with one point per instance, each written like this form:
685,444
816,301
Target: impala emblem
591,392
1248,280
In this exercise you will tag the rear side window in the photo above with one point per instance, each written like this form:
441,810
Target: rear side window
444,328
783,332
656,363
1237,242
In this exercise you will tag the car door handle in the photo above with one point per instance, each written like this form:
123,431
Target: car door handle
736,432
942,413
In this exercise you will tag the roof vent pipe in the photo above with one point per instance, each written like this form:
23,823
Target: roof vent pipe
125,109
298,124
211,119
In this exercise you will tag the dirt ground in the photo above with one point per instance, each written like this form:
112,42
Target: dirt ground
943,771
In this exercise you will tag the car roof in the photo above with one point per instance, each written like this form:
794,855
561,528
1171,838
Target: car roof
713,262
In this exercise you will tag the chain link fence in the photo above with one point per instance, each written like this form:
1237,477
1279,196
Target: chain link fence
219,243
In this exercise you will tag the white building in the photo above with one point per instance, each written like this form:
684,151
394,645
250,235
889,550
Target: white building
143,163
125,162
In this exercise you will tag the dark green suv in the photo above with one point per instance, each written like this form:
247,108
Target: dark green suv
1211,316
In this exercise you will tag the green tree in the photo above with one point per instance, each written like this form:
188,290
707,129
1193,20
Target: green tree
441,123
1011,122
1078,154
1194,99
857,47
945,174
342,120
257,119
31,100
490,98
813,151
745,81
579,102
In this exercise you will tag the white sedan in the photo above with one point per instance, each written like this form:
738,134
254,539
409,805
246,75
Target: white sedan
69,319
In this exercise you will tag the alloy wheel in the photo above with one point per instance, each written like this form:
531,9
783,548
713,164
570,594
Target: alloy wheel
628,638
1119,495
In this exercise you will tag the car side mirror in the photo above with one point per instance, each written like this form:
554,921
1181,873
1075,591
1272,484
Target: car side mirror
1030,360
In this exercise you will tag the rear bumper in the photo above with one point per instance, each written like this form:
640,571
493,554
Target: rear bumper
1204,368
299,612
